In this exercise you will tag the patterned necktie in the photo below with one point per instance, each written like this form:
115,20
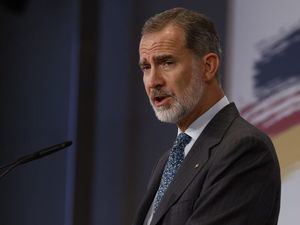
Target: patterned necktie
175,159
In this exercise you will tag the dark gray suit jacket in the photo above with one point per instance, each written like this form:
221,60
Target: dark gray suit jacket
231,176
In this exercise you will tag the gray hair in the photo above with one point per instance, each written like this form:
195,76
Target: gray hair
200,33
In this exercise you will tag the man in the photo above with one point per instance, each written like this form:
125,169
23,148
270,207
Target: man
221,170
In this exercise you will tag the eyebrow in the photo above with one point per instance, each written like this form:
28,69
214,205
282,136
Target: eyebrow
157,59
162,58
142,62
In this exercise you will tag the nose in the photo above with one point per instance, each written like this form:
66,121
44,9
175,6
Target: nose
154,78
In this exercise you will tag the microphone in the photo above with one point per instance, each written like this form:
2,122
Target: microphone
33,156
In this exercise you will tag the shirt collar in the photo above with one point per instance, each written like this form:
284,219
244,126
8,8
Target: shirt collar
196,128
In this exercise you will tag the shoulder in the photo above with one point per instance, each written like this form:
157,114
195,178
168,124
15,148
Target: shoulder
241,131
244,144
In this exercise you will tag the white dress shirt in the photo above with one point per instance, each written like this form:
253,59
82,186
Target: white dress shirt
194,131
196,128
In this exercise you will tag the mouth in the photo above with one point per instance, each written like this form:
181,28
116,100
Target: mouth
161,100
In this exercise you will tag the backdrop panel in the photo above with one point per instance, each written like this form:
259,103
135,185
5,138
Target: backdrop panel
264,81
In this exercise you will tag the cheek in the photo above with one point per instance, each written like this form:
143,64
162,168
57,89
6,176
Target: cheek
182,80
146,85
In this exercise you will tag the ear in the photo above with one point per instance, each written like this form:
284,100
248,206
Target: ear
211,63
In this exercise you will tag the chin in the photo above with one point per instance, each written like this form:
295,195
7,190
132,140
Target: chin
169,115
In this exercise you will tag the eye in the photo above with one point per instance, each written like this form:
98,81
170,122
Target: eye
145,67
168,62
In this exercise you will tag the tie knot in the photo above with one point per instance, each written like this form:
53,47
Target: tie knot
182,140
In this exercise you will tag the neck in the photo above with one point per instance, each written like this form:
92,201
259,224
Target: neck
204,104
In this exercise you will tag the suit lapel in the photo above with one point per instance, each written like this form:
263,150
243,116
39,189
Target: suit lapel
196,159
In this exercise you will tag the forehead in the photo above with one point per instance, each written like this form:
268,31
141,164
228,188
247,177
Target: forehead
169,40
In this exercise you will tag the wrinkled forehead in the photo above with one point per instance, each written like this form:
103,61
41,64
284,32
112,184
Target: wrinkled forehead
169,40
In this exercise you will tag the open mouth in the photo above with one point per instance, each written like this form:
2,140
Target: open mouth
161,100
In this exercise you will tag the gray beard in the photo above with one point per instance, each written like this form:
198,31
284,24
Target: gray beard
183,105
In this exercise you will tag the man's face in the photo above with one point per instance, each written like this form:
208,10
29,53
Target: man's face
171,74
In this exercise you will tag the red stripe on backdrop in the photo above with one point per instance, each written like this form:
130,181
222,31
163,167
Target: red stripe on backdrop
248,108
281,125
272,104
